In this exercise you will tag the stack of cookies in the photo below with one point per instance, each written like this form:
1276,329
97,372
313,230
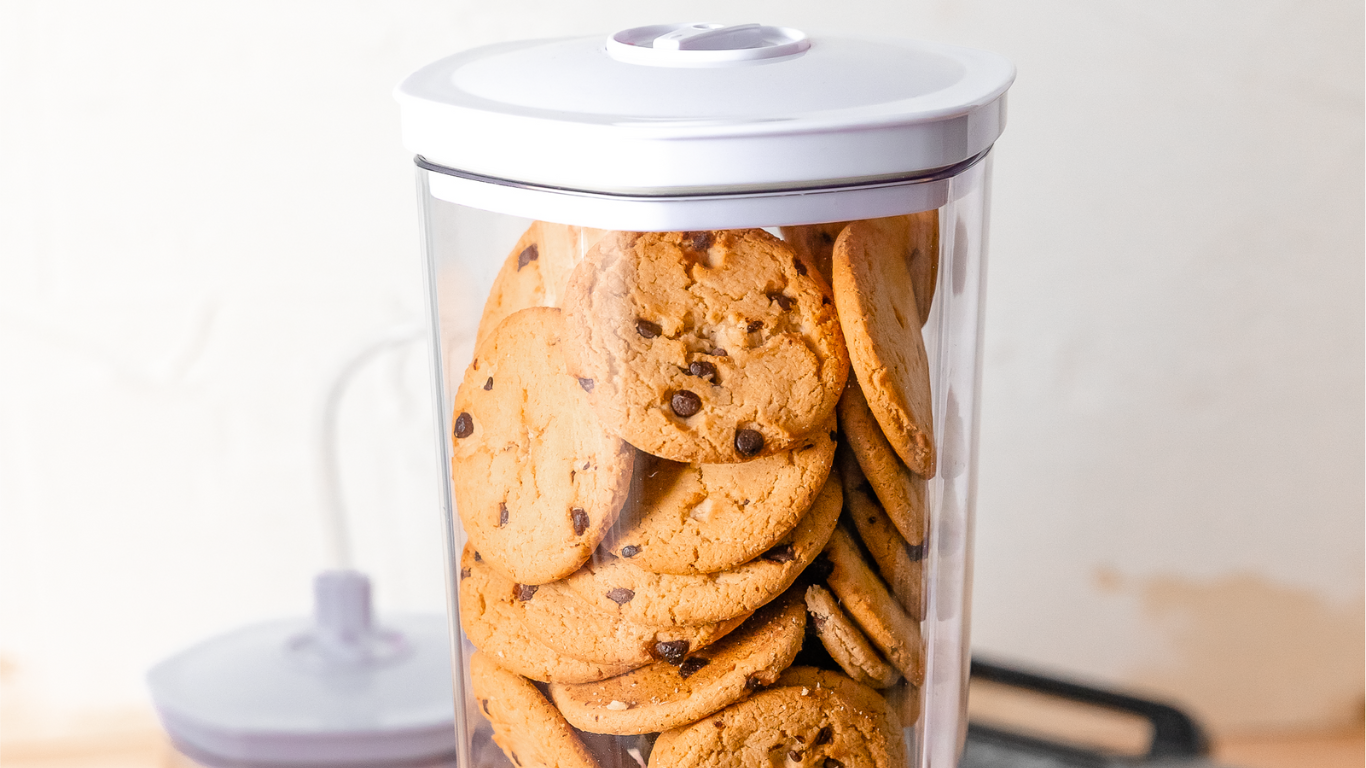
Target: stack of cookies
693,537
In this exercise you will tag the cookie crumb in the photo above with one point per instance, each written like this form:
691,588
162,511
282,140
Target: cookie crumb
617,706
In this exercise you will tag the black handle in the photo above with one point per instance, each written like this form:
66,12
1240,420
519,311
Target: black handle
1175,734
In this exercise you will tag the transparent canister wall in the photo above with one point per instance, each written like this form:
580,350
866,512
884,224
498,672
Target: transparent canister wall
466,248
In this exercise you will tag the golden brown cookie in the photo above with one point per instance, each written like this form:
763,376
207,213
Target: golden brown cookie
815,242
494,627
701,518
615,585
565,623
665,695
537,480
901,491
875,295
845,642
704,347
811,718
525,726
535,272
900,563
865,598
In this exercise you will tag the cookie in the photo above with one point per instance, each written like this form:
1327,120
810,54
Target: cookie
811,718
494,627
815,242
901,491
525,726
704,347
701,518
845,642
864,597
537,480
536,271
614,585
666,695
874,293
565,623
900,563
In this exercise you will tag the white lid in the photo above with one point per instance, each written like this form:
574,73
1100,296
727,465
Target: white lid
704,109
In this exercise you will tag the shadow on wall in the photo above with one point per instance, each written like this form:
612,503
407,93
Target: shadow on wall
1245,653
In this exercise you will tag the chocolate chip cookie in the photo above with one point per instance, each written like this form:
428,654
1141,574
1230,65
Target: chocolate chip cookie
816,242
702,518
845,642
615,585
666,695
901,564
812,718
875,294
530,731
494,627
704,347
865,598
901,491
535,272
537,480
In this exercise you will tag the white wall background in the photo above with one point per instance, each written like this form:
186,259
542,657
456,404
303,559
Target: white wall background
204,207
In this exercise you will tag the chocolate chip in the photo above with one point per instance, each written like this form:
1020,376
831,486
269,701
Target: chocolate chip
620,595
672,651
525,592
718,352
916,552
718,724
825,735
831,762
502,514
630,550
689,668
820,568
464,573
798,265
754,325
753,683
748,442
478,558
685,403
700,241
784,302
800,738
834,436
782,553
488,385
519,762
464,425
795,755
703,370
819,621
826,237
587,384
648,329
485,704
528,255
580,520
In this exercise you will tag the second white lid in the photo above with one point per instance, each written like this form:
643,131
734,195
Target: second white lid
698,108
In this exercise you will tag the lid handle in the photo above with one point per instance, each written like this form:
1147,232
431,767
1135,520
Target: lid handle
710,37
705,45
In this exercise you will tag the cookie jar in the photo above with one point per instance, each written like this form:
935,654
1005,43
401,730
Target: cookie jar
707,309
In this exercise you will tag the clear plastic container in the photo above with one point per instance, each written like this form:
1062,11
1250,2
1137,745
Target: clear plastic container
708,378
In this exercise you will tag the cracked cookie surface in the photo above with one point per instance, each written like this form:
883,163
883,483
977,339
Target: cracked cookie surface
704,347
666,695
702,518
614,585
537,480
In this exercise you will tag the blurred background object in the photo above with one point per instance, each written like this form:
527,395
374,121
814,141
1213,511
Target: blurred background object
203,205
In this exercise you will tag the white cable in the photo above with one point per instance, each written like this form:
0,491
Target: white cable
336,533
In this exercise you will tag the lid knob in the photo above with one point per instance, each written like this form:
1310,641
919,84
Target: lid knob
704,45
